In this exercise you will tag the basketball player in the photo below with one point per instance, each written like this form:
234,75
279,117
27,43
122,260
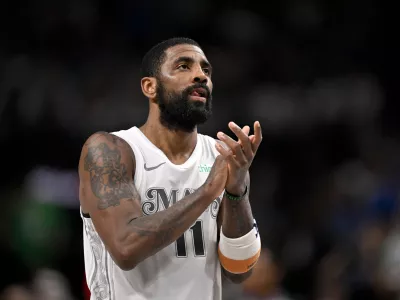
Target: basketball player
163,206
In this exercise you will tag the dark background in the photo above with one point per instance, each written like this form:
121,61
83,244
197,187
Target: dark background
318,75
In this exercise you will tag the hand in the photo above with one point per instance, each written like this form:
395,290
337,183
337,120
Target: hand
239,154
216,180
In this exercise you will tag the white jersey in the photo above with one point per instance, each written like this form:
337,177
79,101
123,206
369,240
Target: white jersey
188,268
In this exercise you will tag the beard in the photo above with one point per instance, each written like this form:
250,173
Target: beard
178,112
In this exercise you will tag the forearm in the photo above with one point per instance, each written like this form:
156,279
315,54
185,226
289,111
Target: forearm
237,278
238,248
237,221
147,235
237,217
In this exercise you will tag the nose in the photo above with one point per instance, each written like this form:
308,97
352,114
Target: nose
200,77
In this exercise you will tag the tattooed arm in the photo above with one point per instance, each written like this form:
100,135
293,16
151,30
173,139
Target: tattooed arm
108,195
236,220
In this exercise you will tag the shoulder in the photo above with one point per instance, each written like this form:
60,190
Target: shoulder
107,145
105,138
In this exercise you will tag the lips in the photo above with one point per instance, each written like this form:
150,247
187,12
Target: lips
199,92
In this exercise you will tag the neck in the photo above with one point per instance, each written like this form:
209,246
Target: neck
177,145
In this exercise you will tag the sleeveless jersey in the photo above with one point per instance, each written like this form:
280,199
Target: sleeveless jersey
188,268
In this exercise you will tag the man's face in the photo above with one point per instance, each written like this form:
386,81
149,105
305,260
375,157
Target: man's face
184,88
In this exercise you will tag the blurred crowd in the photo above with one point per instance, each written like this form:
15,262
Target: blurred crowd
316,74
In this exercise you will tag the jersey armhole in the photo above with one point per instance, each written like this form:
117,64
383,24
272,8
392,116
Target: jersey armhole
83,214
138,155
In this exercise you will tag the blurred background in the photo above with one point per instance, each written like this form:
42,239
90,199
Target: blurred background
318,75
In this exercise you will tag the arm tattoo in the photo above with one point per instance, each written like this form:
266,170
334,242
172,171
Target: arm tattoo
108,175
237,216
111,182
238,219
163,226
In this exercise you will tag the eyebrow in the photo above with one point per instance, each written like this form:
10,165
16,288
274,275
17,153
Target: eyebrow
189,59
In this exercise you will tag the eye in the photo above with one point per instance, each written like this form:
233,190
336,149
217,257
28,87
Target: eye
206,71
183,67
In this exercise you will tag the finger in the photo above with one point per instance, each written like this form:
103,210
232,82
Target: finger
227,154
243,139
224,151
257,136
235,147
251,138
246,130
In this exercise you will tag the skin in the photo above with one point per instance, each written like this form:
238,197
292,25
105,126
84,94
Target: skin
107,165
237,217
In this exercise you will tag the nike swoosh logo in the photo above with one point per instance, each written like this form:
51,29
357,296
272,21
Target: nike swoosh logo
152,168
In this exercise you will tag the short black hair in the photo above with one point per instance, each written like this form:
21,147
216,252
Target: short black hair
154,58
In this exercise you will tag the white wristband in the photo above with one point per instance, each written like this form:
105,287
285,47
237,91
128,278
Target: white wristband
239,255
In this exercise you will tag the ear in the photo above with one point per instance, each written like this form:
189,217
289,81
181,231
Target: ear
149,87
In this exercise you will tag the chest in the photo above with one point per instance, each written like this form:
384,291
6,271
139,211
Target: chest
167,184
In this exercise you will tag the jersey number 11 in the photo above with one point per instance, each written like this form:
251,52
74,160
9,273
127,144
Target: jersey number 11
197,239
